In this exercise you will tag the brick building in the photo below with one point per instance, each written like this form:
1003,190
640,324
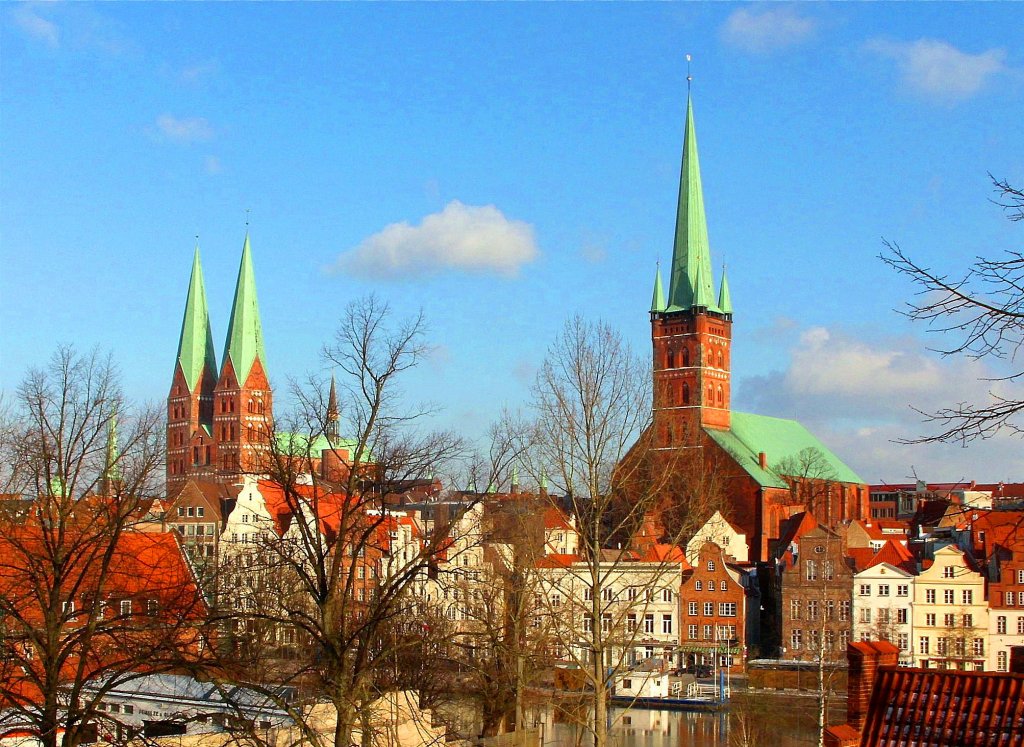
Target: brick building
713,611
773,467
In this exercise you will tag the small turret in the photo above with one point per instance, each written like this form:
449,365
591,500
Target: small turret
332,415
658,300
724,299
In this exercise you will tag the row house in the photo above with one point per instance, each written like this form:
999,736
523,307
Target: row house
714,611
636,601
883,598
1006,605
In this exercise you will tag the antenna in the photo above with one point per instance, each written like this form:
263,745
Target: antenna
689,78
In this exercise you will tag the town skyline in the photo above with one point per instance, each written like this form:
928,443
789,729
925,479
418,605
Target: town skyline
578,222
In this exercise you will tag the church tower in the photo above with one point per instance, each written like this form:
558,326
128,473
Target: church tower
190,443
242,400
691,330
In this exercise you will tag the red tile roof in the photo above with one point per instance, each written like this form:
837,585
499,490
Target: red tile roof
895,554
945,709
555,560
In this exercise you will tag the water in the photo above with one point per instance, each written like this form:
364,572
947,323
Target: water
753,720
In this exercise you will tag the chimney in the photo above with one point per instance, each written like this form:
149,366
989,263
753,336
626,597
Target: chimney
762,460
864,659
1017,659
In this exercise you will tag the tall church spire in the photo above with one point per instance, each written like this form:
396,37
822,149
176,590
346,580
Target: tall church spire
724,299
195,346
245,333
332,414
691,277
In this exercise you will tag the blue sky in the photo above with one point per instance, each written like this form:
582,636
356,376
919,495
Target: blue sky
532,152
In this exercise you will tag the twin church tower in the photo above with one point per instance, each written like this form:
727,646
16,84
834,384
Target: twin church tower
218,419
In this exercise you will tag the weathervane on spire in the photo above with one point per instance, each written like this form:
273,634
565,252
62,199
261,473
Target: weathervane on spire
689,78
247,217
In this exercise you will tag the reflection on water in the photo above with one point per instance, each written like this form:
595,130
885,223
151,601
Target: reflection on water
753,720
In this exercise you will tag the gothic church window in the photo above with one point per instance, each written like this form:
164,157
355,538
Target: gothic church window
721,360
686,393
686,357
671,359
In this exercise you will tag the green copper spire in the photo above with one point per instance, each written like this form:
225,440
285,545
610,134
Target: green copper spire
691,260
724,300
195,346
658,301
245,333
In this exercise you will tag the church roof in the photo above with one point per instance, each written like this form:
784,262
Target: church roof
779,439
245,332
195,345
691,282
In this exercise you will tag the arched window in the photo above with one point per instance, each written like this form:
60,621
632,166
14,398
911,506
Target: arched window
721,360
671,359
711,395
248,432
686,357
721,395
252,406
686,393
260,407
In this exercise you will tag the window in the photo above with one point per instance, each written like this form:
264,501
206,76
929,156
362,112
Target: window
947,596
902,590
1009,598
700,586
588,624
711,565
942,647
1020,598
901,616
630,623
709,609
627,684
812,609
830,570
727,609
708,632
830,610
1020,576
812,570
929,620
722,586
631,593
1001,624
796,639
794,609
126,606
1020,626
978,646
903,641
883,590
922,644
949,620
1001,662
865,590
865,614
606,622
556,600
692,632
648,623
929,596
151,607
181,510
884,616
666,595
691,608
607,594
844,611
200,511
968,596
948,572
588,594
968,621
666,624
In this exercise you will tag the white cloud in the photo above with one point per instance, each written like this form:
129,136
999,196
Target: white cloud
937,70
460,237
859,397
36,26
184,129
767,29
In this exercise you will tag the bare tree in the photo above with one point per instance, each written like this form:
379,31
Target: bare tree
981,312
87,603
345,568
593,403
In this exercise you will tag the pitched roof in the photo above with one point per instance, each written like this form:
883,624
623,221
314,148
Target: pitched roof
245,332
195,345
658,299
557,560
945,707
895,554
779,439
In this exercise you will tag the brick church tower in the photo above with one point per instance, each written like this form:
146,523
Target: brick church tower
218,425
691,332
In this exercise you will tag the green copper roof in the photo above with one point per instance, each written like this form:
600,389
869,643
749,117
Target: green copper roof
691,279
779,439
195,346
724,299
245,334
658,300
